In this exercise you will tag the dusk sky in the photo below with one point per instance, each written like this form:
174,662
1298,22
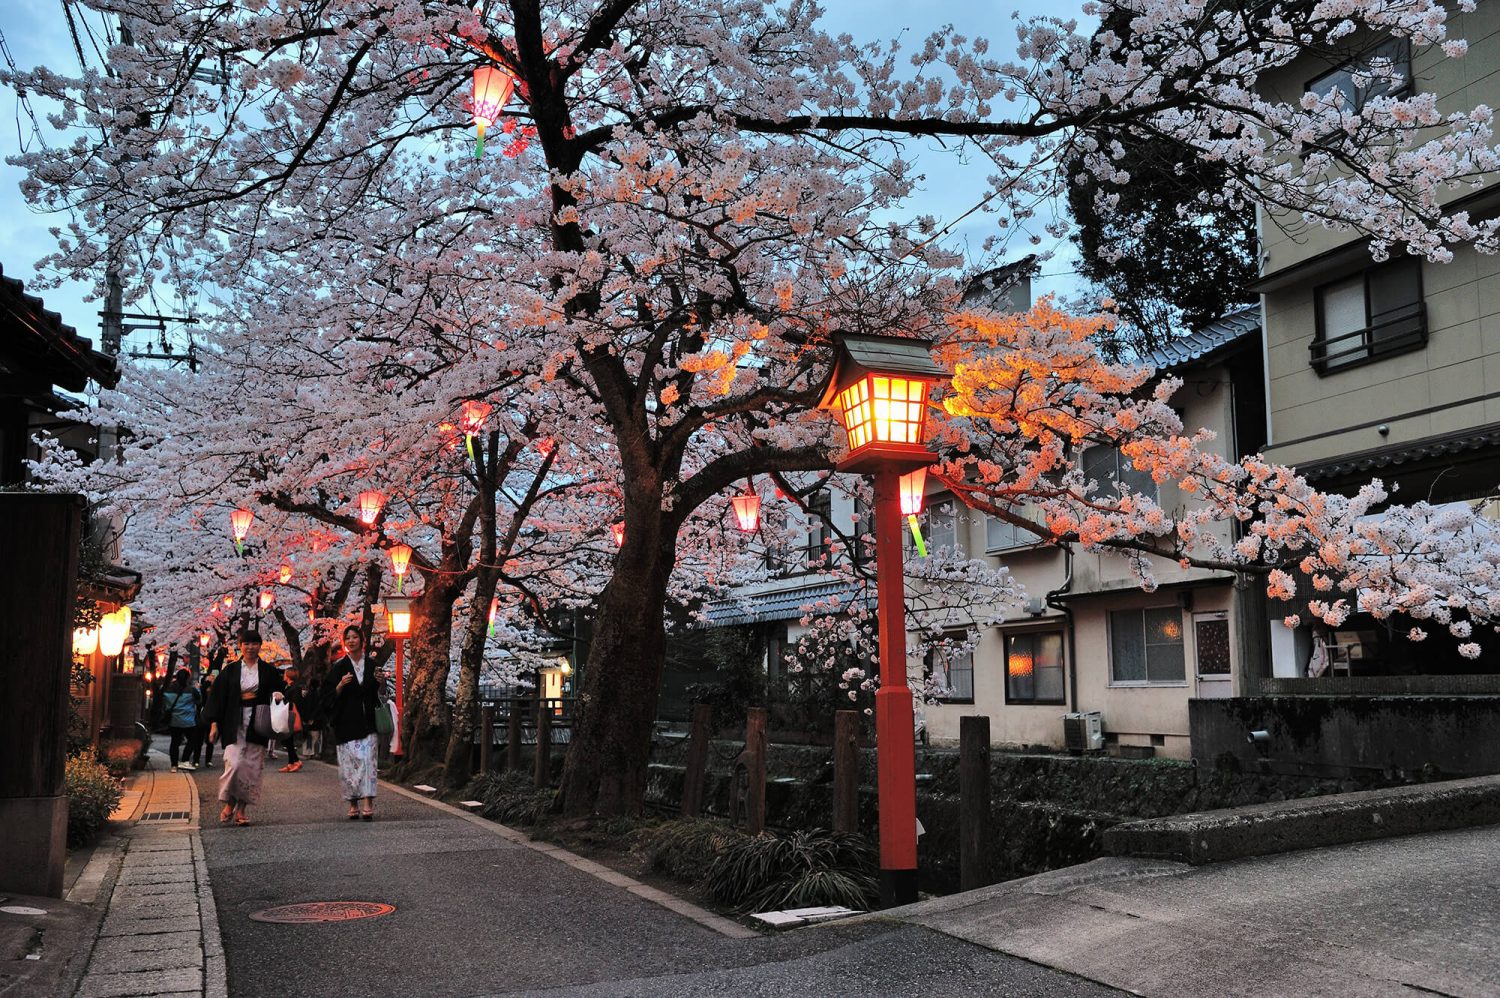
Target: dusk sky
36,33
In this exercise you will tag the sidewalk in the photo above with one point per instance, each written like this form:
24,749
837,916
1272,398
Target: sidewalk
160,933
1402,916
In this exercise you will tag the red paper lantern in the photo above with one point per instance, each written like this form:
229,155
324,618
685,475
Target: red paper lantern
618,530
472,417
747,511
400,562
266,599
239,525
492,90
286,574
370,505
913,488
204,639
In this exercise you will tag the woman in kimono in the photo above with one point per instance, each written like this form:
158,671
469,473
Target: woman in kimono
352,696
242,686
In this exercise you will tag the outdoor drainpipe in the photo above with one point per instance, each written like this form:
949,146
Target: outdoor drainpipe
1051,600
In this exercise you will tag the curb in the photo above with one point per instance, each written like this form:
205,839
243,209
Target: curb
688,910
1310,822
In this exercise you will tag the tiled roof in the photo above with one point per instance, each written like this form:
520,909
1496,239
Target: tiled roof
780,604
1457,442
40,337
1194,347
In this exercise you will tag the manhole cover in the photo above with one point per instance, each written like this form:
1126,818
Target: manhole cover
322,911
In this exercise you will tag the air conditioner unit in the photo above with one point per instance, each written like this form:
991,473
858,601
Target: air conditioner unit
1084,732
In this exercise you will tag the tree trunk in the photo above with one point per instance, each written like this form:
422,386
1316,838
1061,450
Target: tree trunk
424,734
606,767
466,698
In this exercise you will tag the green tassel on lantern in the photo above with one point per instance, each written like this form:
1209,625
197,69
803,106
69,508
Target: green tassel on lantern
916,535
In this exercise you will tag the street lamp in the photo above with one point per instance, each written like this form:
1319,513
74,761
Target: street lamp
398,626
879,389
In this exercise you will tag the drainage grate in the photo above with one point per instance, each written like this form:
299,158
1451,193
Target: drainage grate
322,911
166,815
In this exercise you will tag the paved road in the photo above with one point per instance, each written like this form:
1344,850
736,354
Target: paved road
480,915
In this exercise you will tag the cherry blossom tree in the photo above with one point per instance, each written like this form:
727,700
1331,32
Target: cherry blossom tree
692,198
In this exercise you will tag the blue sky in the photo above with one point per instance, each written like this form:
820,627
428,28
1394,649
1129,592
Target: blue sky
36,33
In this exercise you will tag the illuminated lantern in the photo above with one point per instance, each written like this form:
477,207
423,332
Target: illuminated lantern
239,525
913,486
449,433
747,511
879,389
618,530
370,505
229,602
85,641
286,574
113,629
492,90
266,599
400,561
150,676
398,616
161,657
494,605
204,639
545,446
471,419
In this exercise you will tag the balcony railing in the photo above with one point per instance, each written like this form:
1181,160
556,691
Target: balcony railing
1393,332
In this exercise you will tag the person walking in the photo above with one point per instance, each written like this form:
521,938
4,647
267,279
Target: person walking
351,700
312,718
294,697
242,687
202,742
180,706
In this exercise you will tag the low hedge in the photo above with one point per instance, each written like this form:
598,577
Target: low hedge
93,794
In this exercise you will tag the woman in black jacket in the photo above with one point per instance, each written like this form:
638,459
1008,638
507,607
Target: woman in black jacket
352,694
241,687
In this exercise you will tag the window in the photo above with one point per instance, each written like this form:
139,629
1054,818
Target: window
1034,667
1145,646
1370,315
1382,71
953,671
1001,534
819,510
1105,464
941,524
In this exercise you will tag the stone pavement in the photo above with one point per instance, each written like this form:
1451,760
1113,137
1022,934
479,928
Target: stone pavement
160,934
1401,916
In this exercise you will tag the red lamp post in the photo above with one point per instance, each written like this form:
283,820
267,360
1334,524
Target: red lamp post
879,388
398,625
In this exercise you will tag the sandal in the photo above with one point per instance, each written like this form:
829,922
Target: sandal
368,815
226,814
242,820
353,813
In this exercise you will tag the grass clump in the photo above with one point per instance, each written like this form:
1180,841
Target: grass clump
798,870
511,799
684,848
93,794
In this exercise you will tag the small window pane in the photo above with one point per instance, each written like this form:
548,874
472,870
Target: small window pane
1165,661
1049,667
1127,646
1211,644
1342,317
1020,668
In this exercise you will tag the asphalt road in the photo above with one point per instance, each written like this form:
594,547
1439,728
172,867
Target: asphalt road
478,915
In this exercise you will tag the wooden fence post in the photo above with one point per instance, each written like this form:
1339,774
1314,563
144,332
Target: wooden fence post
697,761
974,802
846,771
513,736
486,737
755,752
542,776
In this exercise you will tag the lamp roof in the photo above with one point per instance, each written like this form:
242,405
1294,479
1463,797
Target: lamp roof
861,354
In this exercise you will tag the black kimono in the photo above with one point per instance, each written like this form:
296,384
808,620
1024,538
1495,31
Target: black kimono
223,707
350,712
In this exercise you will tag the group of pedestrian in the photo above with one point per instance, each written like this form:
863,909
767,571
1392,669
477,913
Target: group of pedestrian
346,703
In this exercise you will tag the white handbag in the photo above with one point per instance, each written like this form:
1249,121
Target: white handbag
281,715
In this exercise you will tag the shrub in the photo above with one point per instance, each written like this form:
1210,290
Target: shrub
119,758
685,848
803,869
510,799
92,795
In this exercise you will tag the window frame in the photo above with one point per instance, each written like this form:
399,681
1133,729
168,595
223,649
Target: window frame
929,669
1365,56
1109,485
1109,637
1011,700
1373,349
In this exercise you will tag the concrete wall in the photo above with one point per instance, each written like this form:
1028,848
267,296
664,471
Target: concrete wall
1352,736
